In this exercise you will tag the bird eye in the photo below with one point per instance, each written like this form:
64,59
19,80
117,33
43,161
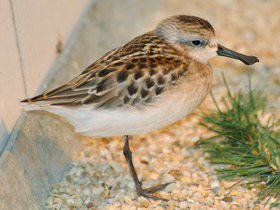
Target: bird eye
196,42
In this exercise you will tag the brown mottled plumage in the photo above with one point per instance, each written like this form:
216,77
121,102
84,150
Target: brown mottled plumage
134,74
152,81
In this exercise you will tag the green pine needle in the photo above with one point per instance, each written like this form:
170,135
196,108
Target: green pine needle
248,147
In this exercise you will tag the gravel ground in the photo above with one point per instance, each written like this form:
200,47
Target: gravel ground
99,177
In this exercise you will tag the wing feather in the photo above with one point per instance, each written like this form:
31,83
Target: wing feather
134,74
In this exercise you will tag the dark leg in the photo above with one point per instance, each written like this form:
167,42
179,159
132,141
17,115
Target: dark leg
140,191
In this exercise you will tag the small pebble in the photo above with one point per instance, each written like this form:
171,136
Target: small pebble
227,199
57,200
65,207
143,201
208,201
110,207
183,205
131,185
127,199
170,187
87,192
49,201
97,190
78,203
97,201
186,179
159,208
215,186
234,192
89,205
154,176
193,188
168,178
70,201
116,167
216,190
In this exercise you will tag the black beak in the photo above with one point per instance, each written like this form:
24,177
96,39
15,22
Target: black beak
248,60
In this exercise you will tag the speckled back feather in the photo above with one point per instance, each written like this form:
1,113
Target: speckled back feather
130,75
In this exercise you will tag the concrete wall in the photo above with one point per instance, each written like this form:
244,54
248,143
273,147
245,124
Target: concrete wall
30,31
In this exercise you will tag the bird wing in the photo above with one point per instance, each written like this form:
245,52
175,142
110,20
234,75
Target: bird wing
132,75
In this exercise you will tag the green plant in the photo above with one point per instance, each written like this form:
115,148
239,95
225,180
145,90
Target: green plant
249,147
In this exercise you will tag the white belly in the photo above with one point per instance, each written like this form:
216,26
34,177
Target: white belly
168,109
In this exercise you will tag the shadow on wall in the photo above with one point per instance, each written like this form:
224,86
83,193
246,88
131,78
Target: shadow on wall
39,157
4,136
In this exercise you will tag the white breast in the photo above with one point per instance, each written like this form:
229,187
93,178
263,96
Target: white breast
171,107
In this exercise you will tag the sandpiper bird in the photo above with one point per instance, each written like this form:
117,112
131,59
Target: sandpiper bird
152,81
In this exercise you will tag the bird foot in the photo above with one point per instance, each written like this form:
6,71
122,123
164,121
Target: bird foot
147,192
